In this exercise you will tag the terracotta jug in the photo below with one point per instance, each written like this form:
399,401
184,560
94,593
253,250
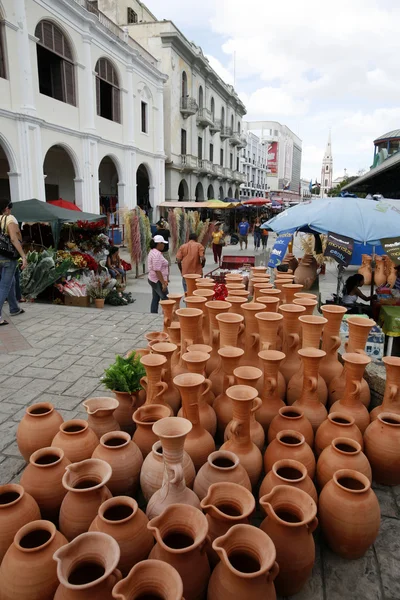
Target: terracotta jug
391,273
199,302
306,272
204,293
274,388
17,508
359,328
365,270
291,417
350,403
76,439
289,444
259,287
288,472
291,339
273,292
309,400
100,413
167,307
391,398
225,505
242,398
308,304
232,286
252,338
268,325
174,332
230,326
349,514
305,295
290,289
247,566
37,428
180,533
152,473
342,453
156,336
330,366
382,444
124,411
172,432
196,362
145,417
125,459
155,365
279,283
221,466
122,519
379,274
86,567
191,282
28,571
230,358
291,520
42,479
336,425
236,302
214,308
189,319
177,298
150,579
85,483
206,283
291,261
171,394
271,303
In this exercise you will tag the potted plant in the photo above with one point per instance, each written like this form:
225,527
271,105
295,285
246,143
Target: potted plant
99,287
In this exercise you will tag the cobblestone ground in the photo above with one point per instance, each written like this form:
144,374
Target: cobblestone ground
58,354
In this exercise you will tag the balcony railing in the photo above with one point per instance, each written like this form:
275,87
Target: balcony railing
204,118
216,126
189,162
189,107
217,170
242,141
206,166
239,177
227,173
225,133
234,139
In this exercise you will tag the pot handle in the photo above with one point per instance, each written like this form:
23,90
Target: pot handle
273,382
256,339
241,329
235,427
231,380
357,388
294,340
273,573
335,343
313,525
208,386
144,382
257,402
214,337
393,390
117,576
265,346
313,383
178,473
163,386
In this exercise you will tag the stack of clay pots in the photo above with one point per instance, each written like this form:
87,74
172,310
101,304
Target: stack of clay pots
236,401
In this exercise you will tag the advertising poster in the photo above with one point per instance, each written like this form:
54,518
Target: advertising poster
392,249
272,160
340,248
279,250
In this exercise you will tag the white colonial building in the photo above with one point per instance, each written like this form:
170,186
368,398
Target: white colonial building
81,108
254,166
203,124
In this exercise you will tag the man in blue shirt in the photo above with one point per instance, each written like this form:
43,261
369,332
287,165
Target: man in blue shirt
243,232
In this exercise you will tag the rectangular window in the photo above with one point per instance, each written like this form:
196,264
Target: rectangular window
231,161
144,117
211,152
200,148
221,157
237,164
183,141
132,16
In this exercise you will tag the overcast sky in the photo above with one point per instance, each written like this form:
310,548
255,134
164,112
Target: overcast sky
311,65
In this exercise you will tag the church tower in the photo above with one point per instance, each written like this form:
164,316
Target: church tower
327,169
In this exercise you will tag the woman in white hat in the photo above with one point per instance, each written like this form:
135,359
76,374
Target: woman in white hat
158,269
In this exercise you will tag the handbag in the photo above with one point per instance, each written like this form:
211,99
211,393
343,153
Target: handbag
7,248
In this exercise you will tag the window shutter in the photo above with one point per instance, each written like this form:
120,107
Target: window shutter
116,107
69,83
98,107
2,58
48,40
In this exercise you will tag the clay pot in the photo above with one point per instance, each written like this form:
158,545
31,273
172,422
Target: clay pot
152,473
167,307
145,417
42,479
122,519
37,428
229,325
174,332
268,325
252,338
289,444
205,348
205,283
350,403
330,366
123,413
291,339
242,398
291,417
336,425
308,303
247,566
156,336
279,283
225,505
306,272
271,303
230,358
305,295
172,432
290,289
214,308
249,376
153,383
191,279
85,483
259,287
236,304
180,533
349,514
309,400
125,459
86,568
391,398
274,388
379,275
76,439
170,395
28,571
17,508
291,520
150,579
365,270
391,273
221,466
273,292
227,357
382,443
189,319
288,472
199,302
100,413
177,298
242,293
342,453
359,328
234,286
196,362
199,442
204,293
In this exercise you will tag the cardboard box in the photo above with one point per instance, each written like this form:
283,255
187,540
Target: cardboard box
77,301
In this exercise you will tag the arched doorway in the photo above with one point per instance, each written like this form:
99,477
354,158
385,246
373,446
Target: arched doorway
237,193
210,193
230,193
183,191
199,192
108,185
142,188
5,191
59,172
221,194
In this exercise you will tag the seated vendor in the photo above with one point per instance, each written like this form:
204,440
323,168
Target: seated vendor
397,282
114,264
351,293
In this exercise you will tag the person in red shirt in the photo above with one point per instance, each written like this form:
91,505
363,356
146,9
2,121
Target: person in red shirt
190,258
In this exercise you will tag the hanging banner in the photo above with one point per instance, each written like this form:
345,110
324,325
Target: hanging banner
392,249
272,159
340,248
279,250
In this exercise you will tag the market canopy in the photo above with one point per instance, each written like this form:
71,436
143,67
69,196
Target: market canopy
64,204
256,202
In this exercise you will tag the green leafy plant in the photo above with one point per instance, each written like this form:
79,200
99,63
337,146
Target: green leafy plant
42,272
124,374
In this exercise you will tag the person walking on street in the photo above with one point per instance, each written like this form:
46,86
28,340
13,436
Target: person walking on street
158,269
257,234
190,258
243,232
264,238
162,229
217,243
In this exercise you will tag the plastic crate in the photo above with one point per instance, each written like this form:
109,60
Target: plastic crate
234,262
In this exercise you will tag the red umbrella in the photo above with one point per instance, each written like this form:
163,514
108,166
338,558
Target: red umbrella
64,204
256,202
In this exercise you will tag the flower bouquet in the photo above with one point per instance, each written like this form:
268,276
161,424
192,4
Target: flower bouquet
99,287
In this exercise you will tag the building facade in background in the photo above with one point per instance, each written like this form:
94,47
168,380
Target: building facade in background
253,159
327,169
305,191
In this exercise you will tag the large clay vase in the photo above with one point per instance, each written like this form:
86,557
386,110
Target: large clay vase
85,483
123,413
76,439
391,398
221,466
172,432
42,479
150,579
342,453
230,325
217,379
336,425
379,274
308,303
17,508
291,417
177,298
171,394
87,567
250,376
271,303
247,566
230,359
288,472
349,514
350,403
153,383
214,308
309,400
145,417
37,428
189,319
100,413
279,283
268,325
125,459
167,307
330,366
28,571
291,520
359,328
306,272
291,339
196,363
174,332
191,282
382,447
391,273
365,270
225,505
258,289
290,289
274,387
122,519
199,302
242,398
236,302
252,338
289,444
152,473
204,293
198,443
180,533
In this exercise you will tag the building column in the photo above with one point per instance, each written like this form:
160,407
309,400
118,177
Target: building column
79,194
88,97
129,109
26,96
14,180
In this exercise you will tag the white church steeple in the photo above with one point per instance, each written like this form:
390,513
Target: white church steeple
327,169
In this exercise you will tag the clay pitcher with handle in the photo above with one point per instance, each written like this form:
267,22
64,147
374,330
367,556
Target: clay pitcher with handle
391,398
199,303
359,329
189,320
252,337
291,339
214,308
155,387
268,326
309,400
100,413
350,403
230,358
330,366
171,394
270,396
150,579
196,363
167,307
